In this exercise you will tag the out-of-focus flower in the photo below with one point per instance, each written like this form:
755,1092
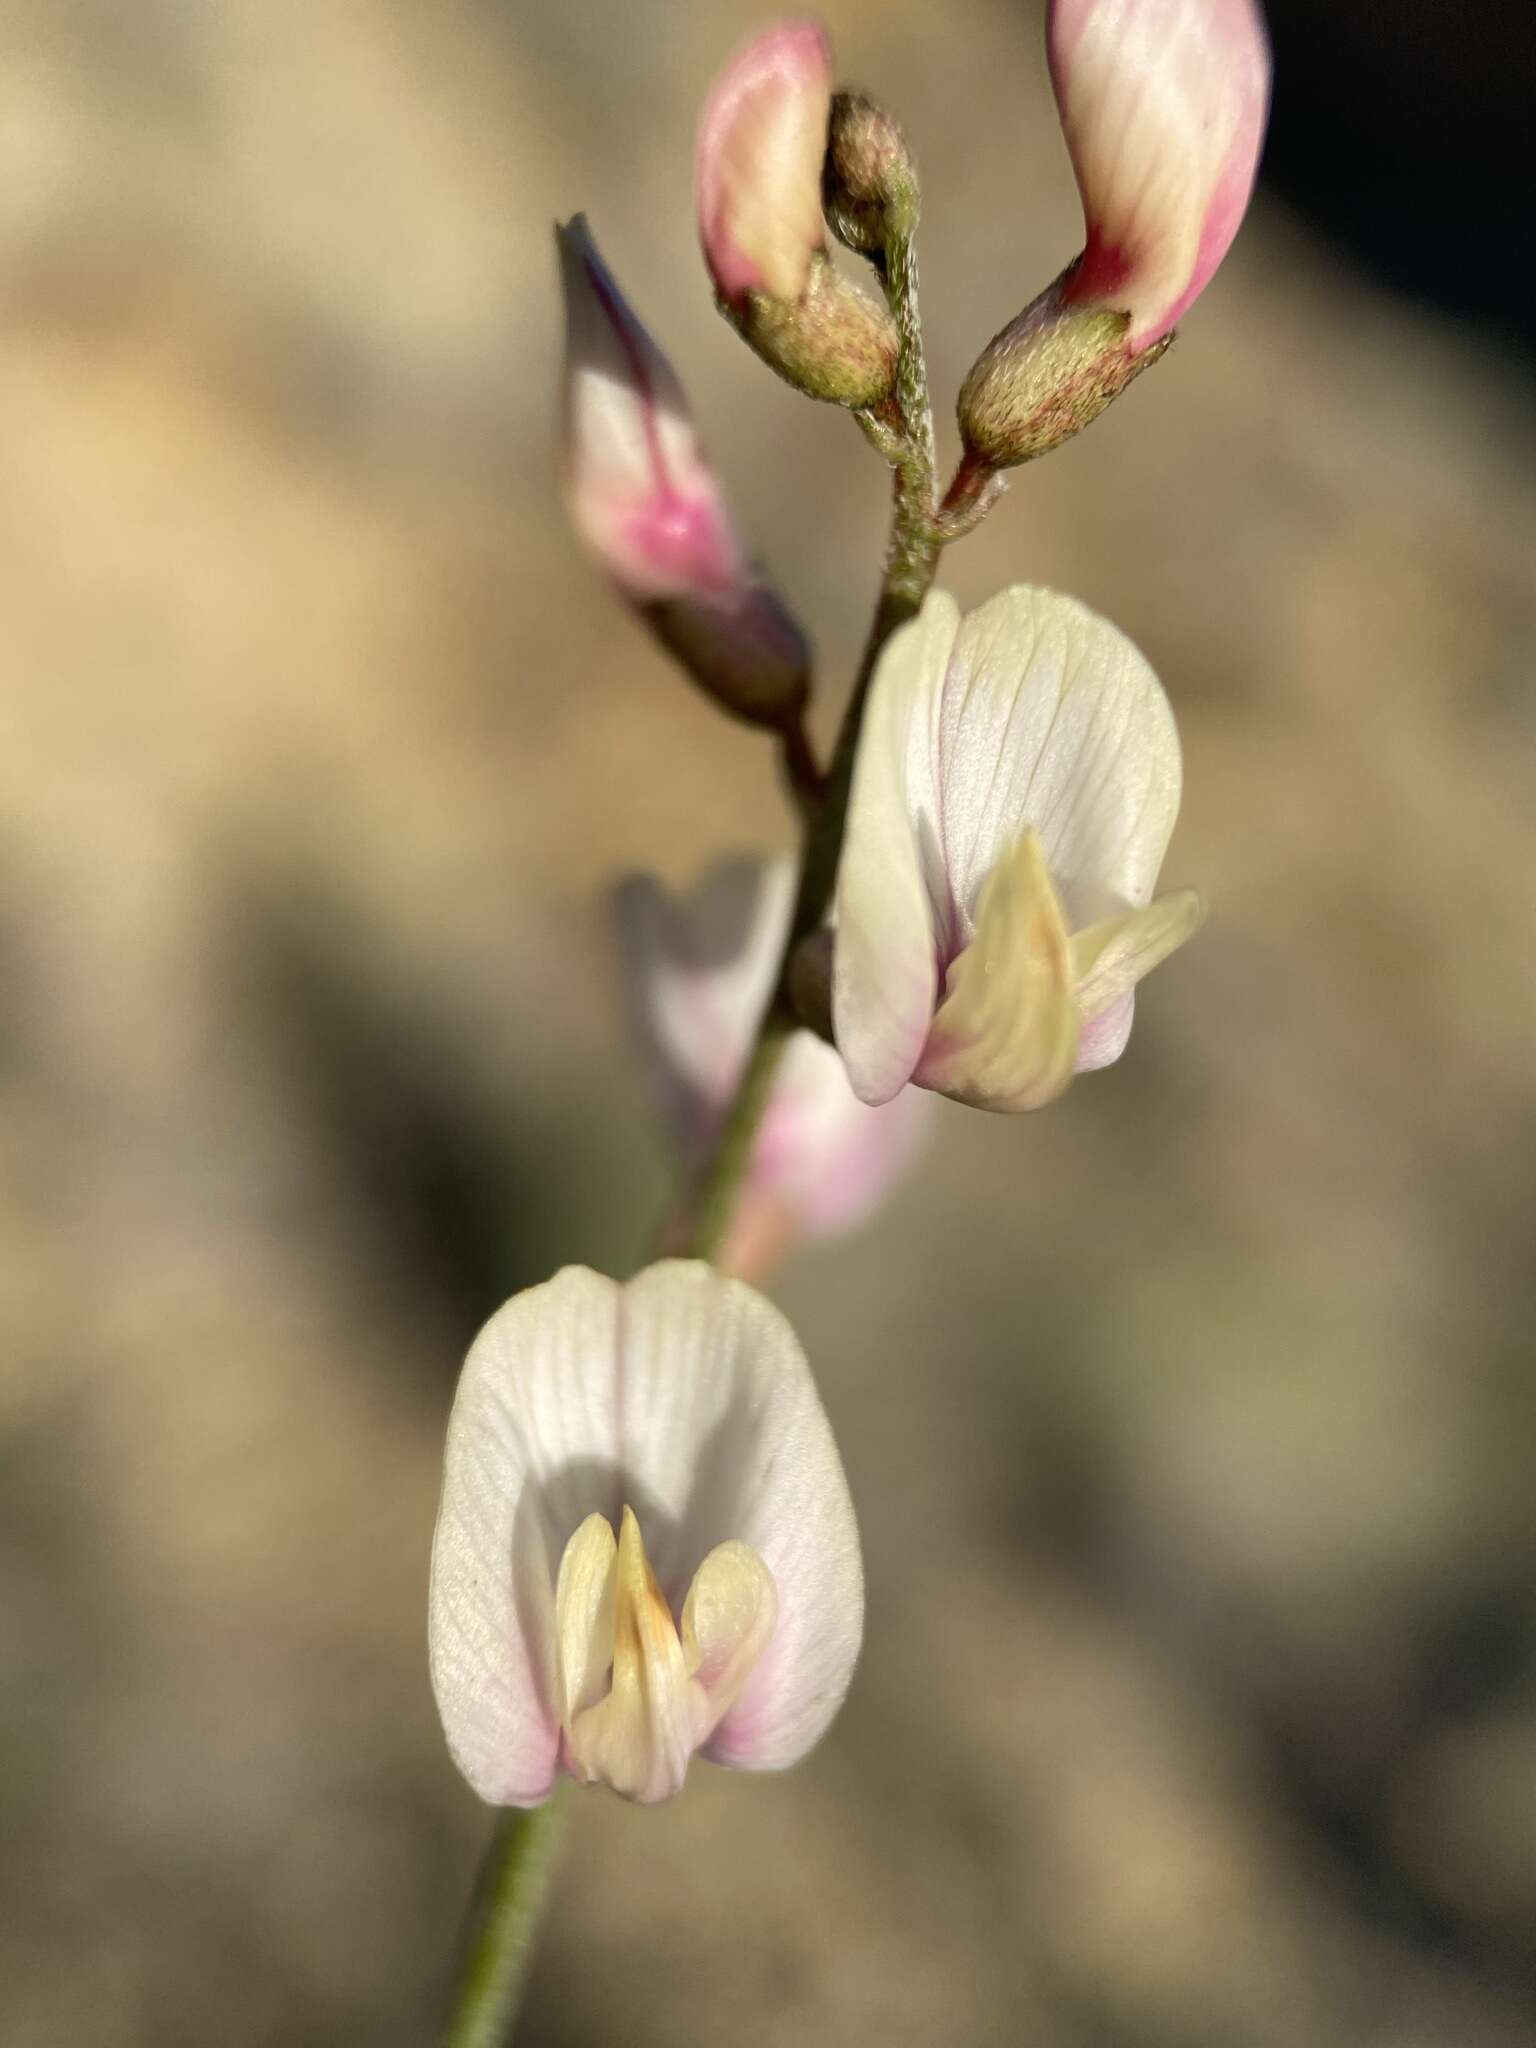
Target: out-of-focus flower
1163,103
645,1547
757,182
646,502
1016,787
697,972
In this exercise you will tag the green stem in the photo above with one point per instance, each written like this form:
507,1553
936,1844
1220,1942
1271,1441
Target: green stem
911,560
504,1922
518,1867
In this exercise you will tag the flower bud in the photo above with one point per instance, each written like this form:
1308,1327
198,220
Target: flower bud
869,181
835,343
1163,105
650,508
743,648
758,172
761,144
1043,379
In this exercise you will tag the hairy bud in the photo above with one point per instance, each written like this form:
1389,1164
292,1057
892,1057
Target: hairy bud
833,343
1163,105
869,181
1044,378
758,173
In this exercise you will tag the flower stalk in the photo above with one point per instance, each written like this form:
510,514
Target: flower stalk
505,1916
598,1669
905,435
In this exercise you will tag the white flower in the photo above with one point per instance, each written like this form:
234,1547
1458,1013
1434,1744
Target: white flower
698,971
1015,790
645,1546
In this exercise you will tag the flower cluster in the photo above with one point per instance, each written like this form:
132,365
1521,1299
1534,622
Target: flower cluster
646,1548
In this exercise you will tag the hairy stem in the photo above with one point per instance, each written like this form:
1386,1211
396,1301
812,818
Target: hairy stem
905,436
517,1871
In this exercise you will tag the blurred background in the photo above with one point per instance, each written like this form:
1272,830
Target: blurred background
1191,1423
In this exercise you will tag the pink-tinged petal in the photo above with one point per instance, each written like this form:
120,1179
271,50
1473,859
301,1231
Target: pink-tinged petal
697,972
723,1427
1052,719
890,886
1163,103
1105,1037
532,1450
757,174
640,492
1014,796
680,1409
832,1158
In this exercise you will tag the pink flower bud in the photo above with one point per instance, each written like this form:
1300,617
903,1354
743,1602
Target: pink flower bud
1163,103
758,171
640,492
650,508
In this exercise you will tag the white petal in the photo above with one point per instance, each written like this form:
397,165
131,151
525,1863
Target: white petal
1102,1039
723,1427
728,1621
1052,719
889,936
1108,959
532,1451
685,1396
697,971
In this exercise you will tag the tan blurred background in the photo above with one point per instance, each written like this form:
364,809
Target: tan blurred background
1190,1423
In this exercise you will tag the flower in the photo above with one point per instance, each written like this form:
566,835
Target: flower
646,502
1015,790
698,971
1163,103
757,172
645,1546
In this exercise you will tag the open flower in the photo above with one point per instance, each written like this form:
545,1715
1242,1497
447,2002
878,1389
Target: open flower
698,970
648,505
1163,104
1016,787
645,1546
